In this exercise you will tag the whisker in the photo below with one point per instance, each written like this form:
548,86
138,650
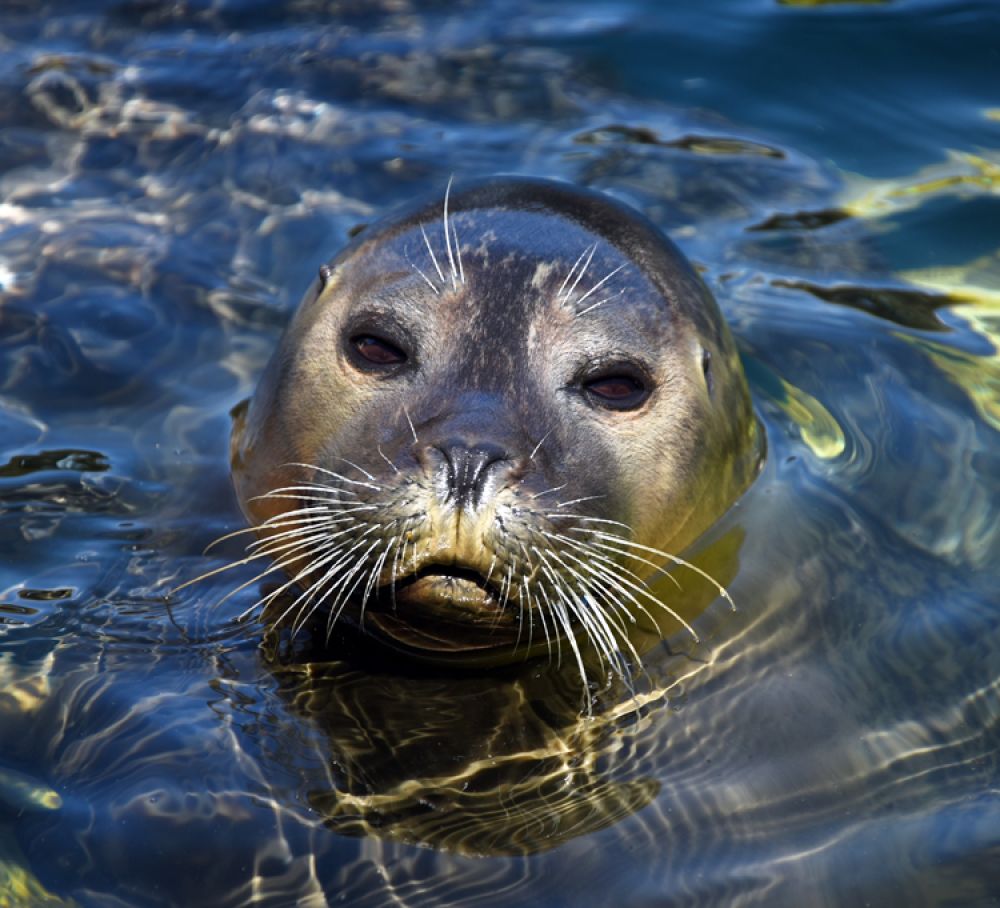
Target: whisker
566,504
621,582
600,302
559,609
430,249
675,559
270,522
593,620
458,254
381,454
427,280
616,523
337,555
330,503
565,294
410,422
314,565
361,470
600,283
541,441
549,491
609,562
447,237
340,476
280,564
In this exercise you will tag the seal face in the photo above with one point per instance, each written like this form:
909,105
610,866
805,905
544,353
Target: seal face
492,416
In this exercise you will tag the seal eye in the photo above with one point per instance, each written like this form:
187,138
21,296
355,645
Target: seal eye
617,392
377,352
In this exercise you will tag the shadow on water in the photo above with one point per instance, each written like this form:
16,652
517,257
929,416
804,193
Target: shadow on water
171,177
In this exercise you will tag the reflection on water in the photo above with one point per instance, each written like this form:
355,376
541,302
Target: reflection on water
171,176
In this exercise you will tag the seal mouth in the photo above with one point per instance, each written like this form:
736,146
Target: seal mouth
444,608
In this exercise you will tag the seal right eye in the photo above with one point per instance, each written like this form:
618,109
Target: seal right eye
617,391
375,351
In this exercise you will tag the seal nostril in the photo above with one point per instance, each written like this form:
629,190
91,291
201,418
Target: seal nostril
469,470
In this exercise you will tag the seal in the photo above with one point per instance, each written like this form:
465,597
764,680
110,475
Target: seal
492,418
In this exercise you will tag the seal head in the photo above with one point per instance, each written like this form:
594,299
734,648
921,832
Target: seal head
491,418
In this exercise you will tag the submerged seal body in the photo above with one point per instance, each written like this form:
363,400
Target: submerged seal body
492,416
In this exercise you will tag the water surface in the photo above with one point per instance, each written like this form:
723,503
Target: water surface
171,177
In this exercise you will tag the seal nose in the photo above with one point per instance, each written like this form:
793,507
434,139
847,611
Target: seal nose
471,470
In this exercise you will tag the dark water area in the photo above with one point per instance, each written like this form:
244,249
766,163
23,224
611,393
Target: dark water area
172,174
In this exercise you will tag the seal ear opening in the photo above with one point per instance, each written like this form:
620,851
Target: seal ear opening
706,370
238,414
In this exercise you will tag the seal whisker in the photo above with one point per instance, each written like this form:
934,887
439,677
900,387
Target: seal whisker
264,552
394,570
547,605
572,271
612,613
522,593
329,554
624,582
427,280
430,249
373,578
541,441
458,254
600,284
541,612
559,609
288,559
219,570
600,302
505,586
268,523
318,531
593,620
589,589
275,541
723,592
305,526
566,504
340,476
330,503
381,454
611,564
357,574
538,495
617,523
447,236
316,593
410,423
565,294
330,493
361,470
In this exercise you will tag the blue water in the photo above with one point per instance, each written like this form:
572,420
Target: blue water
171,177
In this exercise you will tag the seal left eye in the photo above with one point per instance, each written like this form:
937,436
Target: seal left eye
376,351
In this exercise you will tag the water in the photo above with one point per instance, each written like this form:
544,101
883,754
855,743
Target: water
172,174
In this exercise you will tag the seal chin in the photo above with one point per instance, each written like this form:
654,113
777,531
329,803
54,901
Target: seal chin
442,611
